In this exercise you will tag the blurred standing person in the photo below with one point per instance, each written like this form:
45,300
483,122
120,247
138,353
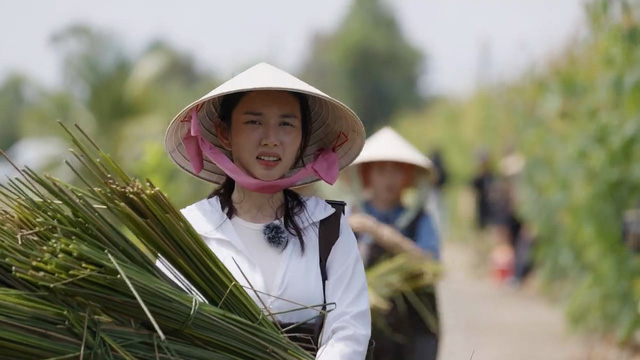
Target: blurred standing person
516,231
493,205
435,201
482,183
502,225
387,166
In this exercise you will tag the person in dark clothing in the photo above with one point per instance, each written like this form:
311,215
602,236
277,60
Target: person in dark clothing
438,165
436,202
482,184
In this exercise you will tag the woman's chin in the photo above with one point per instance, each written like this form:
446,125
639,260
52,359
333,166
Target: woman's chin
268,178
268,175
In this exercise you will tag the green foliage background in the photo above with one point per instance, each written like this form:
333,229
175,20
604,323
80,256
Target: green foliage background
124,101
577,122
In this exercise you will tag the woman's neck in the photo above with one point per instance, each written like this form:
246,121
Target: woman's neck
256,207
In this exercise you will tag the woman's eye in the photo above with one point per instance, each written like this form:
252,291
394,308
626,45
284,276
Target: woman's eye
252,122
286,123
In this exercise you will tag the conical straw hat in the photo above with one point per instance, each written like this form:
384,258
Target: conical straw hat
333,123
387,145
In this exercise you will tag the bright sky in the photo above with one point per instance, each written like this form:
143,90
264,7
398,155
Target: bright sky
226,36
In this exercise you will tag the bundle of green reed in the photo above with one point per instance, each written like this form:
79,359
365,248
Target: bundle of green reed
401,278
396,280
78,275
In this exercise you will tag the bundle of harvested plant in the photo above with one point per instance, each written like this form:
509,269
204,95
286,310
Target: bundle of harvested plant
78,275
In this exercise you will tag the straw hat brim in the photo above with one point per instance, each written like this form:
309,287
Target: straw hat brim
329,118
386,145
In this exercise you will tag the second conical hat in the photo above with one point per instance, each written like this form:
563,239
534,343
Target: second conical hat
387,145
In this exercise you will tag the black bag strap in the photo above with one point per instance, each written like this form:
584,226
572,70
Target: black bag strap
328,234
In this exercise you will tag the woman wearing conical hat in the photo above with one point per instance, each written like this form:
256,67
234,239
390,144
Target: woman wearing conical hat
256,137
386,167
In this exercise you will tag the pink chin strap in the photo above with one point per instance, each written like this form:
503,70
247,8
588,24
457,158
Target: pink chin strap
325,166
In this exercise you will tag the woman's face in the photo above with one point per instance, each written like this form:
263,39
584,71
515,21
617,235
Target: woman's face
387,180
265,133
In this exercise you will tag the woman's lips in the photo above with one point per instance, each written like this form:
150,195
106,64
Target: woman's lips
268,161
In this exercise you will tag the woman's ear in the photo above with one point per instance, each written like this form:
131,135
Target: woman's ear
222,132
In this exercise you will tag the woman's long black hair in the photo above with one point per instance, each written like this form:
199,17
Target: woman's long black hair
293,205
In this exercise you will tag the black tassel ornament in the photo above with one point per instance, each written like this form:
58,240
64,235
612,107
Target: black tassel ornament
276,235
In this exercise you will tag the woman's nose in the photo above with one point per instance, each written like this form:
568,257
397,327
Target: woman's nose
270,136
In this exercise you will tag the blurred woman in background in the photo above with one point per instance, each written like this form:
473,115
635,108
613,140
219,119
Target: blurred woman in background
387,167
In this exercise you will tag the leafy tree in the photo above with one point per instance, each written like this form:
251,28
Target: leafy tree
367,63
95,69
125,102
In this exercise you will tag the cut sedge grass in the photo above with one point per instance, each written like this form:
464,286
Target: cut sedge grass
65,252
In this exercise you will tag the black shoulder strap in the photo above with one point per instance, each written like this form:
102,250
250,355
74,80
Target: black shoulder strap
328,234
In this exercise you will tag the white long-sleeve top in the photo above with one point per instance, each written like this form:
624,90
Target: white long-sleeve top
348,326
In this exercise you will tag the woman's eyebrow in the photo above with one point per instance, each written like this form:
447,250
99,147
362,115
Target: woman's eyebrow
283,116
289,116
253,113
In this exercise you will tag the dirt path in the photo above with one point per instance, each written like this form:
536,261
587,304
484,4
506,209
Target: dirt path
497,322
